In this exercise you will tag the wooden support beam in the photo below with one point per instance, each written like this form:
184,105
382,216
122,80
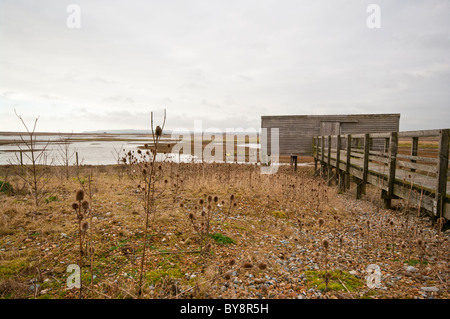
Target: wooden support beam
316,152
386,199
347,167
322,155
317,147
294,161
359,188
393,148
338,153
329,168
365,161
442,167
339,174
414,149
323,149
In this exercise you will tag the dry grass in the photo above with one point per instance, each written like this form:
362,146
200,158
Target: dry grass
274,226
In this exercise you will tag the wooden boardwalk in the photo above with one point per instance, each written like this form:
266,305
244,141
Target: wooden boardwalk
421,180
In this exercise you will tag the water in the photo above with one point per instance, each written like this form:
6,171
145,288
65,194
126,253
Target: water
95,150
92,149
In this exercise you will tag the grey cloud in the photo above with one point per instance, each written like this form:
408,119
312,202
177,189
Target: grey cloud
223,61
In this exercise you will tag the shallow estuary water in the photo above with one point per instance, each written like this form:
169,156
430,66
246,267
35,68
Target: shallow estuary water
95,149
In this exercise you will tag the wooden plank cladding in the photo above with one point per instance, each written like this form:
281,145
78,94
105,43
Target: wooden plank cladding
412,166
296,131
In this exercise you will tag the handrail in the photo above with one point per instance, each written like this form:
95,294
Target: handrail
383,149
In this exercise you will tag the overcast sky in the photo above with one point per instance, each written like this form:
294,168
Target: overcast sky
224,62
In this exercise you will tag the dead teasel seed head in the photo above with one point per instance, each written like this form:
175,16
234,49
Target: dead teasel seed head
247,265
320,222
420,242
209,198
85,205
191,216
158,131
80,195
325,243
262,266
232,197
201,201
231,262
75,206
216,199
227,276
84,226
181,205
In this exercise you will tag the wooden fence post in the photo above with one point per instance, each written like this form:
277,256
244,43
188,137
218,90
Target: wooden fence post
329,170
322,155
338,165
393,148
365,162
414,148
315,152
442,166
347,167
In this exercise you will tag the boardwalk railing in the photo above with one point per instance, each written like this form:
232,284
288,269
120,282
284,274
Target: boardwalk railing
394,162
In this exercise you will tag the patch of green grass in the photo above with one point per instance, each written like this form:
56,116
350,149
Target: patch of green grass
413,262
120,243
6,187
157,275
82,180
317,279
51,199
10,268
221,239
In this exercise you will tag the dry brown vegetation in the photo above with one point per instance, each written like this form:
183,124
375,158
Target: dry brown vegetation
215,231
